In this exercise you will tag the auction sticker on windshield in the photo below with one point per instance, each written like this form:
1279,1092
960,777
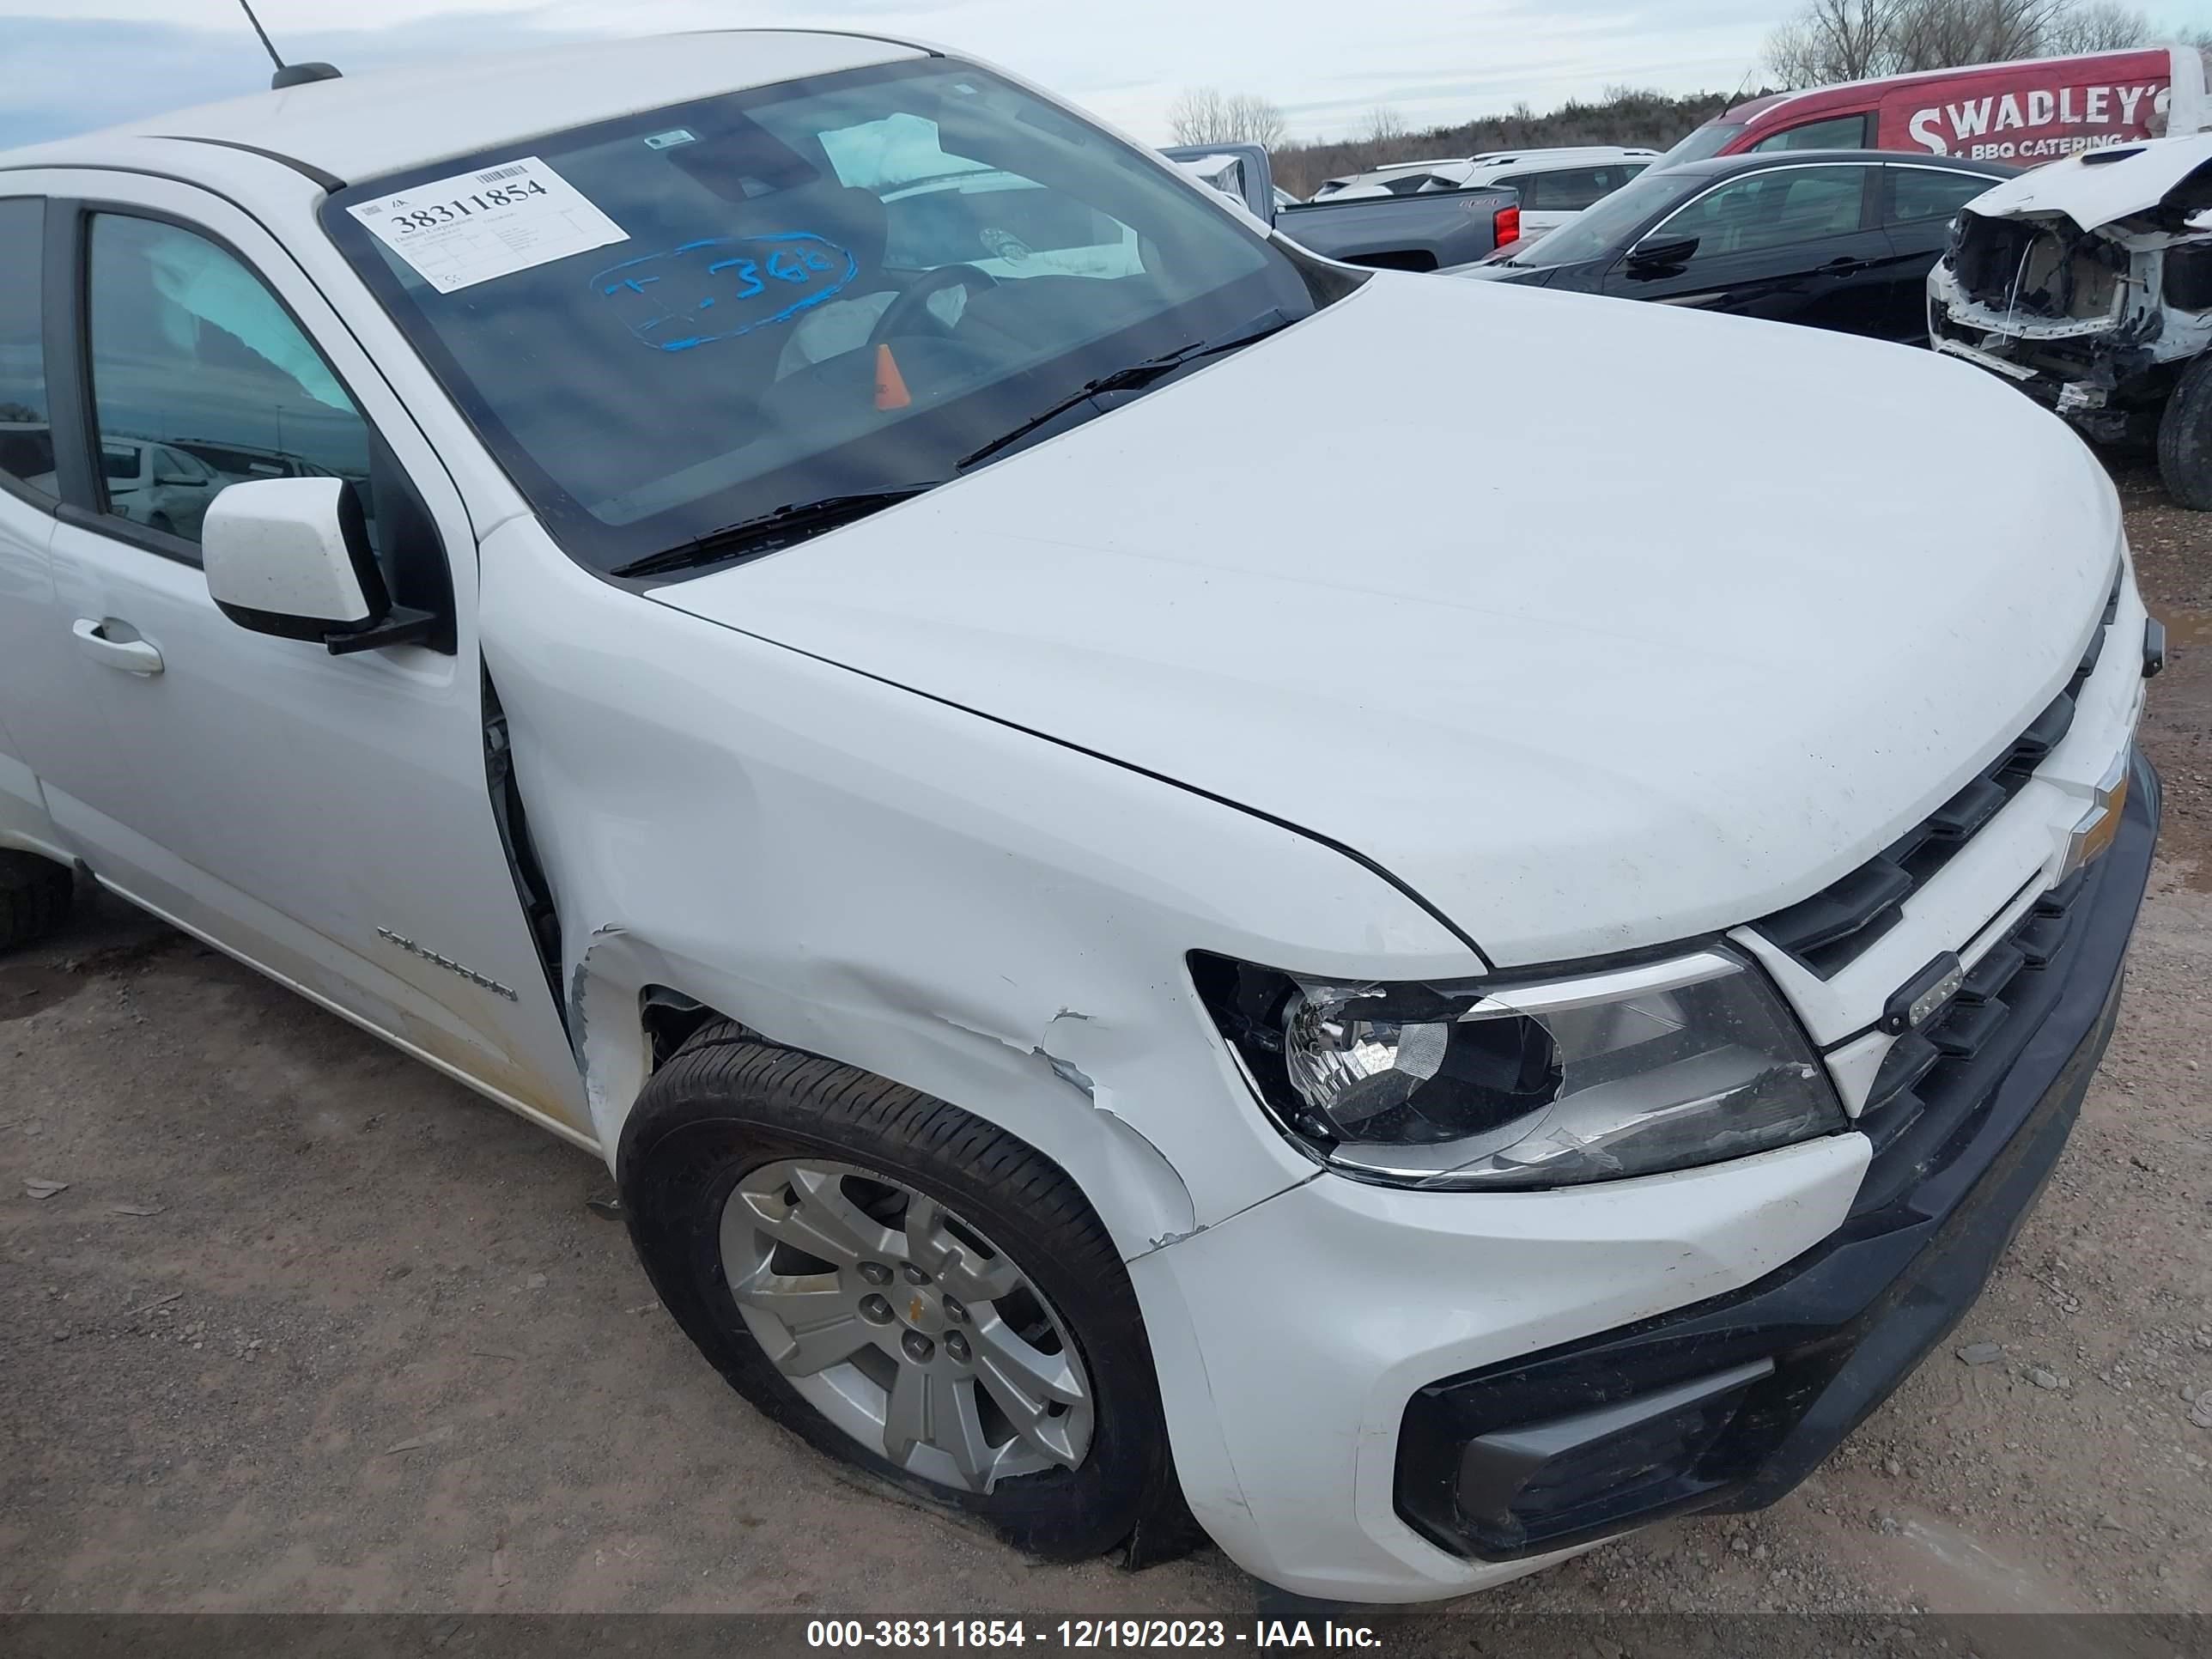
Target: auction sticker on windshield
473,227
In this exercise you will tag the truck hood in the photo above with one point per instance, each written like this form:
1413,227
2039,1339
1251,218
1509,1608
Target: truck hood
2099,187
1596,624
1532,276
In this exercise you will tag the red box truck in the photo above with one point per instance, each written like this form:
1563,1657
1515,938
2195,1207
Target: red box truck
2025,112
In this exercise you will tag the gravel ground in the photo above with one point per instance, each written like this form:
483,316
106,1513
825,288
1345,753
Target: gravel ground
312,1329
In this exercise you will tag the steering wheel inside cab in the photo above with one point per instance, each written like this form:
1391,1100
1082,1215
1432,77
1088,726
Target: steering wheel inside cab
910,313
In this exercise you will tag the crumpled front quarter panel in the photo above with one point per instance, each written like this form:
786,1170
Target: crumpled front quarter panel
868,874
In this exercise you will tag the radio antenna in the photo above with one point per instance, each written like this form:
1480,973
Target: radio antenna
267,45
288,75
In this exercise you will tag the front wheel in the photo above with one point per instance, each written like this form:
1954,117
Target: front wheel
2184,438
907,1287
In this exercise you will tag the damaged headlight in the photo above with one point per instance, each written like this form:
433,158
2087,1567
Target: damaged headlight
1550,1083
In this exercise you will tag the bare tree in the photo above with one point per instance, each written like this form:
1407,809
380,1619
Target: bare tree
1830,40
1942,34
1257,120
1199,115
1205,115
2102,26
1384,125
1795,57
1835,41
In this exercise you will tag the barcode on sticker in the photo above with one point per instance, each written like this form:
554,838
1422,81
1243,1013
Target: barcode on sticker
500,173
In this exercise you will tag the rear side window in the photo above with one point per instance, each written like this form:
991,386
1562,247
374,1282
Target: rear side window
26,441
1570,189
1773,210
1839,132
200,379
1929,192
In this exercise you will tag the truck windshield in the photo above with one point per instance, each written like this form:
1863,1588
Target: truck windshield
1707,140
827,290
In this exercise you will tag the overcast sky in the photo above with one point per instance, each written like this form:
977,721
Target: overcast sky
69,65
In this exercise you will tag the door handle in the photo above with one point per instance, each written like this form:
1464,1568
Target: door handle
132,656
1844,266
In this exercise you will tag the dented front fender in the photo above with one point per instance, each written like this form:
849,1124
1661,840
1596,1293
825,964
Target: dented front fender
898,884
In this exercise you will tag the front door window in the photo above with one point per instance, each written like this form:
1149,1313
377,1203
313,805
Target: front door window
200,379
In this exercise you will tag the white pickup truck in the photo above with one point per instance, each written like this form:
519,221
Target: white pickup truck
1429,1037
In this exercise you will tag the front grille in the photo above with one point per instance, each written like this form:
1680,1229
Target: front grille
1827,932
1933,1081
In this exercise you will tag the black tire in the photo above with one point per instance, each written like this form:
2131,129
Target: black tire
35,894
726,1103
2184,438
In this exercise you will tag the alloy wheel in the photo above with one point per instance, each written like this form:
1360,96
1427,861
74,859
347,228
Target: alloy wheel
903,1325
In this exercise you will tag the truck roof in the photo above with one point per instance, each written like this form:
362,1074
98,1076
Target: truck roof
359,126
1499,158
1491,161
1841,92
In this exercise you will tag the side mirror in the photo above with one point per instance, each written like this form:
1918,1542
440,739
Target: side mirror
1657,253
290,556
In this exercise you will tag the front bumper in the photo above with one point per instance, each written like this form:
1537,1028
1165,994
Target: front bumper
1730,1403
2089,370
1291,1338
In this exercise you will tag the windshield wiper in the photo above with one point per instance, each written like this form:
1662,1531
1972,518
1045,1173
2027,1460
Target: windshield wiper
1128,379
786,524
770,529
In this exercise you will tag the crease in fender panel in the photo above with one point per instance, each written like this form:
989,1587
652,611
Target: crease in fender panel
1143,1166
580,982
1066,1070
1314,835
1155,1245
1071,1050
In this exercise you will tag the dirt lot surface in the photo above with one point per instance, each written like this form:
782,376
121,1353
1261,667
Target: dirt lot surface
311,1327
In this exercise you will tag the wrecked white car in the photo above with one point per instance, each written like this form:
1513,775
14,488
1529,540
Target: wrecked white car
1114,992
2088,284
